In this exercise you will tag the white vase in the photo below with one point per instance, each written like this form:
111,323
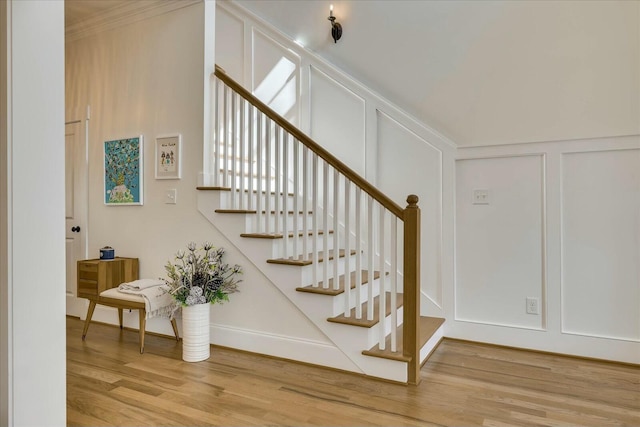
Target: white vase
195,333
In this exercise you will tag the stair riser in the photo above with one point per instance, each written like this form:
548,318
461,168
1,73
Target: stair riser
339,300
290,252
255,224
373,333
244,200
307,270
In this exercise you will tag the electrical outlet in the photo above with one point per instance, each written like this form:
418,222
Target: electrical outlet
533,305
481,197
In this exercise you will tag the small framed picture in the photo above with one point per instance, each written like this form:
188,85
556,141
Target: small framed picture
168,157
123,172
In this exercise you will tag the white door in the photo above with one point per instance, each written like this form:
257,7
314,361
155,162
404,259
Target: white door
75,210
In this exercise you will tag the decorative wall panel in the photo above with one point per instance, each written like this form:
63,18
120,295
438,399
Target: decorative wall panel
407,164
230,48
338,120
276,76
499,240
601,244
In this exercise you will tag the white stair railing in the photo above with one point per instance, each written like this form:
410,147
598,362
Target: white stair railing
299,192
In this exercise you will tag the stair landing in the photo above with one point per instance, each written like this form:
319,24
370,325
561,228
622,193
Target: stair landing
428,327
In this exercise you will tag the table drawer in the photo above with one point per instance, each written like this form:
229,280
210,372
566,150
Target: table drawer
87,287
95,276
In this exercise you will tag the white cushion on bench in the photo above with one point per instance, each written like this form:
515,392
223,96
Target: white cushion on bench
114,293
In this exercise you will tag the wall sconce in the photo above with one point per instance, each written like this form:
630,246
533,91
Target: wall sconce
336,28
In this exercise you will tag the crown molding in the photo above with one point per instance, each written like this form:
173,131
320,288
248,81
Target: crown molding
123,14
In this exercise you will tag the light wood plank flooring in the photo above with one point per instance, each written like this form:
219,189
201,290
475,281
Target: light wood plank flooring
110,383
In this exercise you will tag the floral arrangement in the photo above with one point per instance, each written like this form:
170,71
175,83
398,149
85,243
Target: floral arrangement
200,276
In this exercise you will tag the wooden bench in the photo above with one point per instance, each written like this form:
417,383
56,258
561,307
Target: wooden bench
98,281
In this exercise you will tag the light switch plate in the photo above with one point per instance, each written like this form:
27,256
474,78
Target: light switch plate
170,196
481,197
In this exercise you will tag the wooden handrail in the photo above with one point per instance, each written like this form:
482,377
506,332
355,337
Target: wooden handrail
382,198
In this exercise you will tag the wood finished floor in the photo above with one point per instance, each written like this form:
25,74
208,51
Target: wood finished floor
463,384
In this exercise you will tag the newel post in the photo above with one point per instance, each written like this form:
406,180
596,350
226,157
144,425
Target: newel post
411,320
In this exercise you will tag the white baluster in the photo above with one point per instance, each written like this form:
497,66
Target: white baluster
268,174
394,281
278,177
218,136
305,202
370,257
347,247
383,300
296,192
359,254
251,148
229,136
283,196
261,141
243,142
325,224
336,229
314,220
234,143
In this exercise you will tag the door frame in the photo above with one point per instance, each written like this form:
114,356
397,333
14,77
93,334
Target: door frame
82,116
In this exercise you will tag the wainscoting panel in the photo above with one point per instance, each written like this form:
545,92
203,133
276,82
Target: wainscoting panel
276,76
601,244
407,164
230,49
337,119
500,240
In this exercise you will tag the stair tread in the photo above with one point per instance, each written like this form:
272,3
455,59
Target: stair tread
236,211
278,235
428,327
248,174
253,211
309,260
330,291
214,188
271,193
364,322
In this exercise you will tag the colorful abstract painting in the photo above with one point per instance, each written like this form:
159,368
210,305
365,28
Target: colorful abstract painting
123,171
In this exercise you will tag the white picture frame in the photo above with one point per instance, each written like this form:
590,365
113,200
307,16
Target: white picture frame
168,156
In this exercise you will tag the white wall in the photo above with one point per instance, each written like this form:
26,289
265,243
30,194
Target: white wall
562,225
148,78
537,237
366,132
490,72
33,275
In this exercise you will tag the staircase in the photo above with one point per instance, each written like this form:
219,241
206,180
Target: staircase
340,250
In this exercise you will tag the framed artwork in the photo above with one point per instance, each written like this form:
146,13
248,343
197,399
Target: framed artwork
168,157
123,172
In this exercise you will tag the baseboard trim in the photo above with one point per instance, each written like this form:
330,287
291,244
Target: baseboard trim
550,353
281,346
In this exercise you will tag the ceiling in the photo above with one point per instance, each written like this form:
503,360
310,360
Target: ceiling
76,11
481,73
484,72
